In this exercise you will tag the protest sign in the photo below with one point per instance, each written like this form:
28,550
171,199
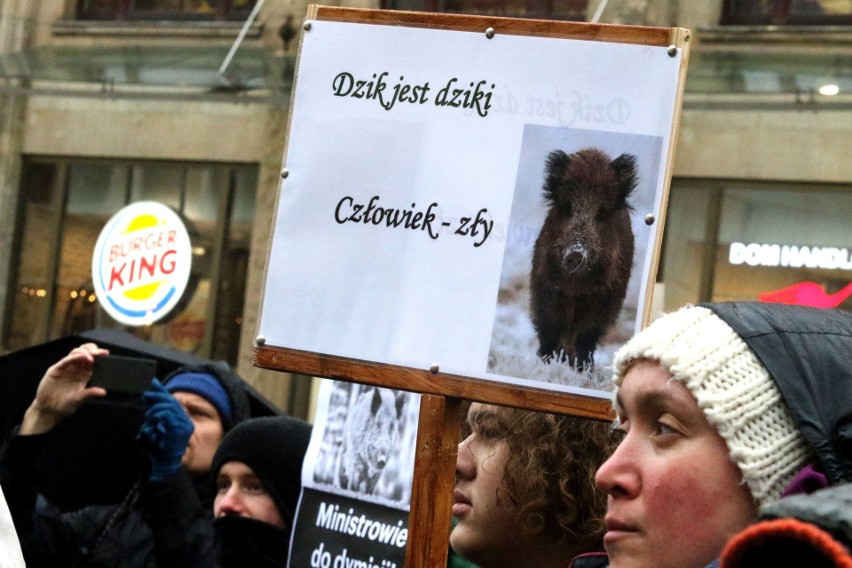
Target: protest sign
426,154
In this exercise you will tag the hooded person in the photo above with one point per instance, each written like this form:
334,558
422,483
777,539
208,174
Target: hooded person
257,471
258,475
118,535
723,409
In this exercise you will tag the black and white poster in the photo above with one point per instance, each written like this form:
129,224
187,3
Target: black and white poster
356,479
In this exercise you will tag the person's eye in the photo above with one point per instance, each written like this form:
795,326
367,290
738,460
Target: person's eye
255,488
617,433
489,431
666,427
223,485
198,413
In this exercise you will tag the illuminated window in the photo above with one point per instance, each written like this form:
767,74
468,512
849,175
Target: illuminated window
65,204
770,242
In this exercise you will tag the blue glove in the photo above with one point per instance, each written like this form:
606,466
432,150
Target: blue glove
165,431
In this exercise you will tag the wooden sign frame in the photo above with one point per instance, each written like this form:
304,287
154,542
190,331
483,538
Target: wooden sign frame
432,380
443,394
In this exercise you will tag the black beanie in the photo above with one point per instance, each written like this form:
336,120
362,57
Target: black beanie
274,448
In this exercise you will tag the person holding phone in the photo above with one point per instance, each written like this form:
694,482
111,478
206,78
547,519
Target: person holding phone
210,398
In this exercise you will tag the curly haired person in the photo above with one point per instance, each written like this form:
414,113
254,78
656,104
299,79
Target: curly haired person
525,493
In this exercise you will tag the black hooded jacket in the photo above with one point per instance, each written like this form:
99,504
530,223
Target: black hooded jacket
808,352
119,535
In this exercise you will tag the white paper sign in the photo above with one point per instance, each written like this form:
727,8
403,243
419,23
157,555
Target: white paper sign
405,228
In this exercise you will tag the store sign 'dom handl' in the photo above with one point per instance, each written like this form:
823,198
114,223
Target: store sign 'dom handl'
793,256
141,263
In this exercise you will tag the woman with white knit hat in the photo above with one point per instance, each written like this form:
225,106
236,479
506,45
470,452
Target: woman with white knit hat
722,409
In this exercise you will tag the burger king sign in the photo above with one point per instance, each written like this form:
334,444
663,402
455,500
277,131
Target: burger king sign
141,263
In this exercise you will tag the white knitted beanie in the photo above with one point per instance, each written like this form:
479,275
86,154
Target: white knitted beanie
733,389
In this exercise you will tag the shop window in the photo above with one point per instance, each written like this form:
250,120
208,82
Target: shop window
784,246
683,274
64,207
787,12
572,10
164,9
781,244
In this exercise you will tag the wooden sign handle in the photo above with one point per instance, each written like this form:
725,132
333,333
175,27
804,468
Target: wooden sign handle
434,478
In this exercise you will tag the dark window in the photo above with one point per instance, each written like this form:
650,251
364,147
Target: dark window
574,10
787,12
164,9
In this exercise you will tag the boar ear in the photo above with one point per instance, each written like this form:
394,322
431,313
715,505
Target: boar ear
400,404
555,168
376,402
625,171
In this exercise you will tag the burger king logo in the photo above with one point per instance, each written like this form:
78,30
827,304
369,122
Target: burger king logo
141,263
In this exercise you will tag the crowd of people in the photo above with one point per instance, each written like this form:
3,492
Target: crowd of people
731,447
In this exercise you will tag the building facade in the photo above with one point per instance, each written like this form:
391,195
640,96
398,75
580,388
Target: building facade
186,103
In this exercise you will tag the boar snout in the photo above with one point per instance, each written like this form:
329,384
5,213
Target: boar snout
574,258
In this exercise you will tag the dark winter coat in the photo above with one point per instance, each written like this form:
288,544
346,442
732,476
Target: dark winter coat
808,352
120,535
103,535
234,542
815,529
590,560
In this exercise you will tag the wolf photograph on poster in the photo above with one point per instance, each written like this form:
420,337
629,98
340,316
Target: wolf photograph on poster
576,245
357,478
366,446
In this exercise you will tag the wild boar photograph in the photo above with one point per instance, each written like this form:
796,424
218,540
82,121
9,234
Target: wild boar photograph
575,254
583,255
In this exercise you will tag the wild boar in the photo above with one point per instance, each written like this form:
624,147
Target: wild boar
583,255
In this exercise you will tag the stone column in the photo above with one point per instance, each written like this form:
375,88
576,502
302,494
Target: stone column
17,27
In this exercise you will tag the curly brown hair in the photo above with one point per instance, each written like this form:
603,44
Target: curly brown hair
550,475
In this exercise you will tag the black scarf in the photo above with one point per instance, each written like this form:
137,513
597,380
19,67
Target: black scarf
248,542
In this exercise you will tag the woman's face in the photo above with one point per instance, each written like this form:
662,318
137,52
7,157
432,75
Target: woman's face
484,510
674,495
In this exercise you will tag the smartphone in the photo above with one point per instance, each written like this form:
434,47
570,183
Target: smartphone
125,377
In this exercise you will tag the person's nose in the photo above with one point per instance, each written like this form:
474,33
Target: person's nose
231,502
619,475
465,460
